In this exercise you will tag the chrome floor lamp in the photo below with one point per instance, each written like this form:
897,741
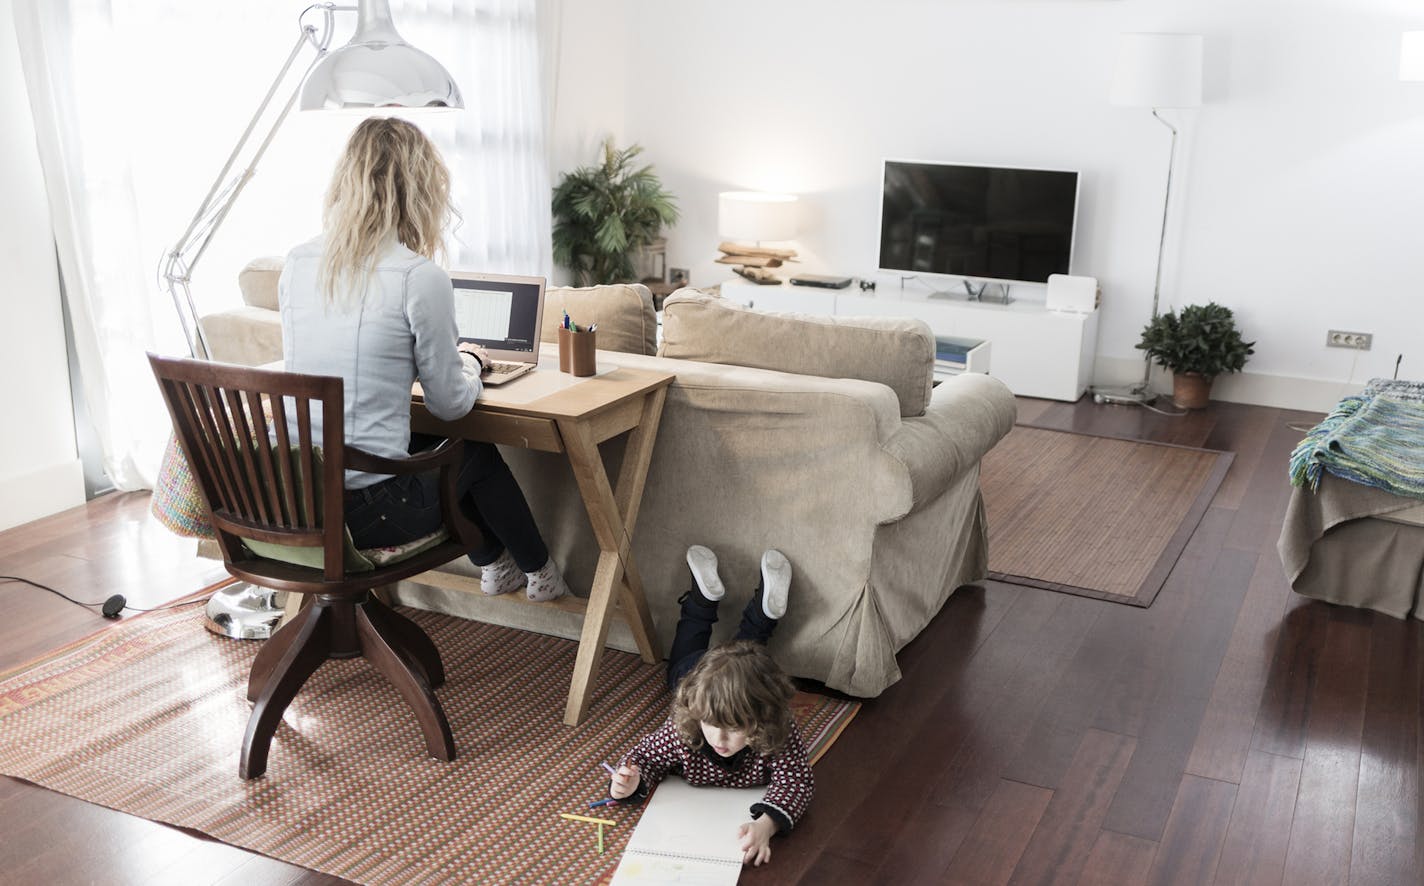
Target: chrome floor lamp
376,70
1155,71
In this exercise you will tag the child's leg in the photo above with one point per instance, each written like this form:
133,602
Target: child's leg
768,603
699,614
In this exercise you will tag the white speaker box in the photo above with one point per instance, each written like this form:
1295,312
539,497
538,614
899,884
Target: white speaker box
1069,293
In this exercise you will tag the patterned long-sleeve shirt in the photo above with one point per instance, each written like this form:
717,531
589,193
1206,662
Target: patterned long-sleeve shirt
786,774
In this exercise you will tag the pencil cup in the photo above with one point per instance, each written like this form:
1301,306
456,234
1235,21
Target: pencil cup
576,352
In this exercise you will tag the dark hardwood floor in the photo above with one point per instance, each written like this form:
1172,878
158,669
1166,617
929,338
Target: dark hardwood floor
1230,733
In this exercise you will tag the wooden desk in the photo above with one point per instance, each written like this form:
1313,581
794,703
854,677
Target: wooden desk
554,412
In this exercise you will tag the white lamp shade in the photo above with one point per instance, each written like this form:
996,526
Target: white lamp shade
1158,71
753,215
1411,56
378,69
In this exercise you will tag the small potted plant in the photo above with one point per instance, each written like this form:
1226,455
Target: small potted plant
606,213
1197,345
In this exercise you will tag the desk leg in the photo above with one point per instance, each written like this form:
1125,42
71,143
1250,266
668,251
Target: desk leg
632,477
606,512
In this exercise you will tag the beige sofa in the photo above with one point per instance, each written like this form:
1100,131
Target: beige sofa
820,437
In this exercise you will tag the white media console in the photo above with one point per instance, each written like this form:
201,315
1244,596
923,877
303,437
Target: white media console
1035,351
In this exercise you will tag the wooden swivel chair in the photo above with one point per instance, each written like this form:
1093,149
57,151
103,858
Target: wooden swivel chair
268,490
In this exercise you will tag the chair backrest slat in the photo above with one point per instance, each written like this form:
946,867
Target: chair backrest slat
209,443
334,477
229,444
284,462
244,441
262,453
306,463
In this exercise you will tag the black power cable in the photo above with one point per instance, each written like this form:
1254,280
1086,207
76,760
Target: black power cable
110,608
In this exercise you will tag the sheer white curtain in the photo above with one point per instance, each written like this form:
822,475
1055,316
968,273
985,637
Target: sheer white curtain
137,103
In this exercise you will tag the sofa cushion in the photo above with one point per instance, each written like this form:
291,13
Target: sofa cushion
258,281
895,351
623,311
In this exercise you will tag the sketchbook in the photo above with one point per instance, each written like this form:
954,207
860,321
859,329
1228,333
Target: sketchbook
688,835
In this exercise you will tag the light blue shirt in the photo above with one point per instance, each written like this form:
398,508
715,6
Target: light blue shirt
402,329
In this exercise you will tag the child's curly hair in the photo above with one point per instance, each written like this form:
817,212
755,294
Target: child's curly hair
737,686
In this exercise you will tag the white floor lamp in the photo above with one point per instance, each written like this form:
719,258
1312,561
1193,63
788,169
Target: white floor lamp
1155,71
375,70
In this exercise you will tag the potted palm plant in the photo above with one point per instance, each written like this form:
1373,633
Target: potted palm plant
1197,345
605,213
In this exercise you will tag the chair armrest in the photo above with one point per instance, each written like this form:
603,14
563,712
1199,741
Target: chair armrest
448,458
967,415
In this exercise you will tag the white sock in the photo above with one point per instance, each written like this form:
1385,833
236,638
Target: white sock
545,583
775,583
703,564
501,576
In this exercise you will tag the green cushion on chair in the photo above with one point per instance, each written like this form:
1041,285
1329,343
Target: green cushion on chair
312,558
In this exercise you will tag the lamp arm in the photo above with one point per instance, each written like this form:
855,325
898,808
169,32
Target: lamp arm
1145,385
1166,203
179,261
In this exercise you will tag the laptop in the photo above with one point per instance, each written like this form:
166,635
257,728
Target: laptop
502,314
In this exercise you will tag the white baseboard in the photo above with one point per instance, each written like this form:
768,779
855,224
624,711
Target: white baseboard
1258,389
40,493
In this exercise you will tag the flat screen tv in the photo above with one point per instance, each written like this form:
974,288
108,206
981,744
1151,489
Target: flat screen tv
989,223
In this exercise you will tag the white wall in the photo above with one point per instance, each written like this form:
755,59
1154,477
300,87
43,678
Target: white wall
589,86
40,471
1299,200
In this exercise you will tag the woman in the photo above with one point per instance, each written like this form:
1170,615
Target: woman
367,302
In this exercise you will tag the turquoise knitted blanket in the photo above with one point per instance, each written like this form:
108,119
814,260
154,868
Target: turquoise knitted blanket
1375,438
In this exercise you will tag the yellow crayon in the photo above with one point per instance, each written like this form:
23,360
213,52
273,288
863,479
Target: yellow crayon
571,817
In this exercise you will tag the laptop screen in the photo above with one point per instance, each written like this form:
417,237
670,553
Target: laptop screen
498,312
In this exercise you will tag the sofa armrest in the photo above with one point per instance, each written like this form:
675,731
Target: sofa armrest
967,415
247,335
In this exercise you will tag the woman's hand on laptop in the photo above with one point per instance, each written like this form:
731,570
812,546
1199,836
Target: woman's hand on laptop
476,351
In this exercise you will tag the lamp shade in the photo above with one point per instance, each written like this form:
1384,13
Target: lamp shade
378,69
1158,71
1411,55
754,215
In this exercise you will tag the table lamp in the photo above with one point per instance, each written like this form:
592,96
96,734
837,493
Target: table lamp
759,217
1155,71
375,70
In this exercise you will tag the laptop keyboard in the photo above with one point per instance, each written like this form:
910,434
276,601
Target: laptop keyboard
498,367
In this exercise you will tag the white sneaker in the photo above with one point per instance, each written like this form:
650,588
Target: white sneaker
501,576
775,583
703,565
546,583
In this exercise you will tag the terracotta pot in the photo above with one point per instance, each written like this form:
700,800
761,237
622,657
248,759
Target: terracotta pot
1191,390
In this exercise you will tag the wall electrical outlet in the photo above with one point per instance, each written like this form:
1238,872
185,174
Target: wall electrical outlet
1336,338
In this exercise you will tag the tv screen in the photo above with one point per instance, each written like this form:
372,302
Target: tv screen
983,222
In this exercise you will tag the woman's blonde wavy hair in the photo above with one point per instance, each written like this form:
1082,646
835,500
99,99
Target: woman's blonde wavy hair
737,686
390,181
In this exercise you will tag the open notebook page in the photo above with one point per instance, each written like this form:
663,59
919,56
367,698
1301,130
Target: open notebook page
688,835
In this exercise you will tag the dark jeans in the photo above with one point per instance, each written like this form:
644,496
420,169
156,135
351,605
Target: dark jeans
403,508
694,631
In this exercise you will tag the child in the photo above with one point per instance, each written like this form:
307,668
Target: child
731,723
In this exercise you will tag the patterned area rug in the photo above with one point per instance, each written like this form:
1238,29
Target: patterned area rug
1094,516
147,717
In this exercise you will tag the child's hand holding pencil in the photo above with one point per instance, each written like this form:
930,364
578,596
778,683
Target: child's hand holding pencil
623,781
